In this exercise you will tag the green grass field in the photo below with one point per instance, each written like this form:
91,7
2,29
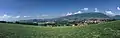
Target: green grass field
103,30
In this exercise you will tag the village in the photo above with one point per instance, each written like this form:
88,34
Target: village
75,23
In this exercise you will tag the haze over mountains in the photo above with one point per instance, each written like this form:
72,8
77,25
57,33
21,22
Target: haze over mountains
86,16
79,16
117,17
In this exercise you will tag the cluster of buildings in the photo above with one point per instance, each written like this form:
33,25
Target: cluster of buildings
76,23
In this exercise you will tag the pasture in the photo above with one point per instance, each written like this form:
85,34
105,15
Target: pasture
103,30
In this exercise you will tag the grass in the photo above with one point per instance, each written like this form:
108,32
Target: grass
103,30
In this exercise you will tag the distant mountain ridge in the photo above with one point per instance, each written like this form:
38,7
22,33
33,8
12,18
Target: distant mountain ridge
80,16
117,17
84,16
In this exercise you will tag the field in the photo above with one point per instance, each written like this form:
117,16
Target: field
103,30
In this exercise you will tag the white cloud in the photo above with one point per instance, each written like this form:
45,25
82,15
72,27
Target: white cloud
26,16
96,10
75,13
78,12
118,8
17,17
5,16
68,14
109,13
85,9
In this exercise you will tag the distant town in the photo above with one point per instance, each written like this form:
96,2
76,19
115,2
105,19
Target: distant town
80,19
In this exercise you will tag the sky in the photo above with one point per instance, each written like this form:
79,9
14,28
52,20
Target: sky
32,9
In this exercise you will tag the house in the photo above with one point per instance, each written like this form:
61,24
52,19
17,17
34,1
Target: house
89,21
96,20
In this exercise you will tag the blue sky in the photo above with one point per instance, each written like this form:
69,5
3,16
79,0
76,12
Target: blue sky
53,8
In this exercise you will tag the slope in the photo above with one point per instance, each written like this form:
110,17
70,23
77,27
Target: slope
117,17
84,16
103,30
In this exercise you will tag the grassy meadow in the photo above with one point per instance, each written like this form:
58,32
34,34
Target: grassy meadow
103,30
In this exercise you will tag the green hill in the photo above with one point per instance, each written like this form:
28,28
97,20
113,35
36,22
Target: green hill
84,16
117,17
72,17
103,30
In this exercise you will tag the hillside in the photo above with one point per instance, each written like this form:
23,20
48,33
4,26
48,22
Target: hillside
103,30
72,17
84,16
117,17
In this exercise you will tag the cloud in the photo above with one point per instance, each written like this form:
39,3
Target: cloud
8,16
118,8
68,14
109,13
26,16
85,9
78,12
5,16
96,10
17,16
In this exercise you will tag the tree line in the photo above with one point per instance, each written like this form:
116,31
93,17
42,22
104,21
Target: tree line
56,23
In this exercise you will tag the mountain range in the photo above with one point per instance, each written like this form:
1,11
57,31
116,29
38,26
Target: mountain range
84,16
80,16
117,17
